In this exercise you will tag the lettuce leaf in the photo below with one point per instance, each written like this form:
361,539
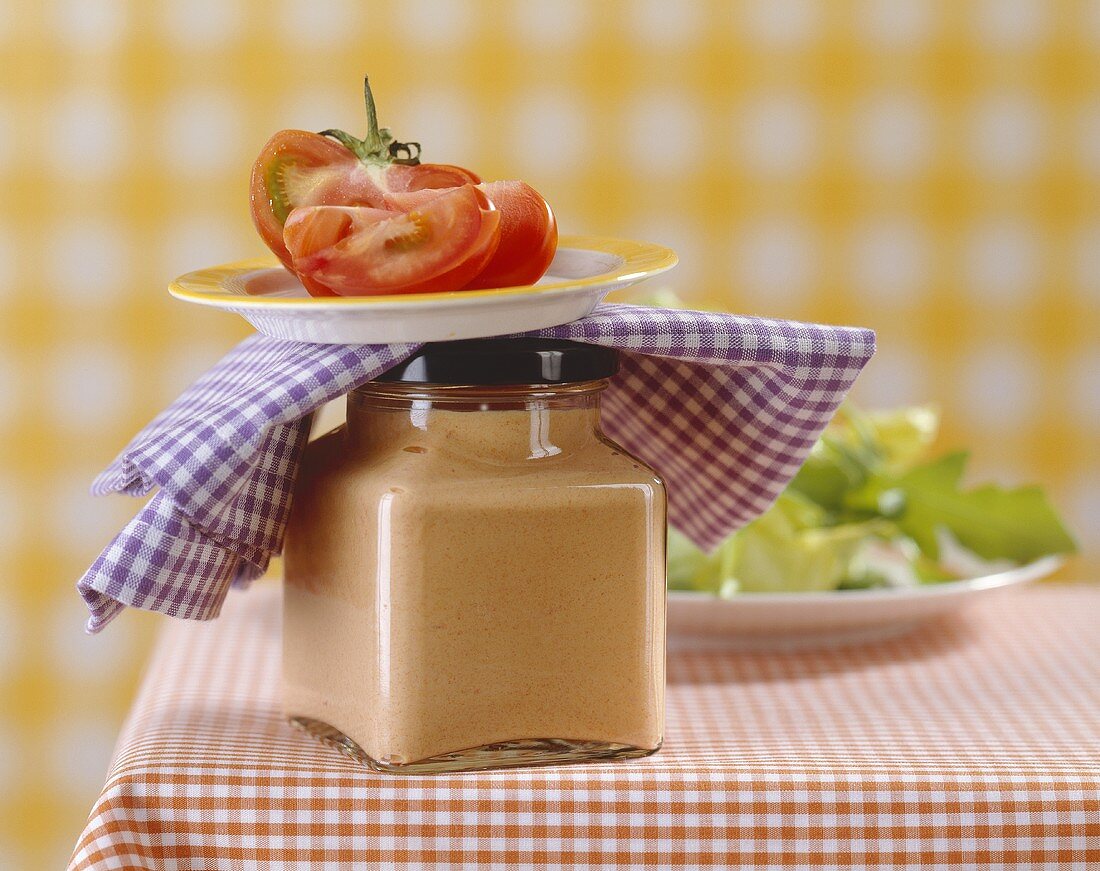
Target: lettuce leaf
789,548
994,522
690,568
858,446
904,435
785,549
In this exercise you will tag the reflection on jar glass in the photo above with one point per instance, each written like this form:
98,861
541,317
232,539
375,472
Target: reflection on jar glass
475,574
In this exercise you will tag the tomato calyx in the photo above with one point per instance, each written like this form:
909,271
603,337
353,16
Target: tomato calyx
378,147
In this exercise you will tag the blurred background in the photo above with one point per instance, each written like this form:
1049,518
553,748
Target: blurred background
929,168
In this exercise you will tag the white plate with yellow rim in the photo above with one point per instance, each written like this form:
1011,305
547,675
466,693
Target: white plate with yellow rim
787,621
584,270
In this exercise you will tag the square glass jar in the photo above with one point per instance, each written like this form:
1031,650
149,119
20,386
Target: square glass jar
475,573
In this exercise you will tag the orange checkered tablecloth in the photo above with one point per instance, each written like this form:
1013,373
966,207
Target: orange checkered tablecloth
973,742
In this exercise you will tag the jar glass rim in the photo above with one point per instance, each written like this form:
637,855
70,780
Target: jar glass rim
373,391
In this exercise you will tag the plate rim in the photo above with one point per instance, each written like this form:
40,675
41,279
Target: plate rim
639,260
1016,575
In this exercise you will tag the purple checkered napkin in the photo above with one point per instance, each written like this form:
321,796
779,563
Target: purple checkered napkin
724,407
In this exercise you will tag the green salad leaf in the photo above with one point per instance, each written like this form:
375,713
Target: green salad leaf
995,523
689,568
790,547
857,446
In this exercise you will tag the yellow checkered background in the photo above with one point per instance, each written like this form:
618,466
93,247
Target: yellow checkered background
930,168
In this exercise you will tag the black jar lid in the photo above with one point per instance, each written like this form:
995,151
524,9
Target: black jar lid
473,362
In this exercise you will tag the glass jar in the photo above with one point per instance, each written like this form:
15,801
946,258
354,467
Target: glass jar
475,573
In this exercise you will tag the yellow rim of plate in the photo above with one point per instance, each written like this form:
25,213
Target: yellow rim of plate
639,260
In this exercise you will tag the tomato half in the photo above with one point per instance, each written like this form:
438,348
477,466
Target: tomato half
528,236
353,251
295,169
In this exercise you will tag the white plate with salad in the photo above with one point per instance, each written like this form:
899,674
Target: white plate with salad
870,539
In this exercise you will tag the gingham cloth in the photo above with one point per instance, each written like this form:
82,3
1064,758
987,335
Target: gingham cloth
971,743
724,407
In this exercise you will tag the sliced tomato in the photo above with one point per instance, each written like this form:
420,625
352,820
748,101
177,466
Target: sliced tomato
297,169
528,236
364,216
481,252
407,200
353,251
427,176
327,226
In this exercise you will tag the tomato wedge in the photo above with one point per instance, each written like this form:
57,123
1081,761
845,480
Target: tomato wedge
426,176
357,250
528,236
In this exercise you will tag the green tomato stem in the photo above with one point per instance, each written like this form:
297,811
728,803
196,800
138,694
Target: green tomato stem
373,139
378,147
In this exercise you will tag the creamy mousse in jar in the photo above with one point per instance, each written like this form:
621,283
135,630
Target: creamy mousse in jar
475,573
